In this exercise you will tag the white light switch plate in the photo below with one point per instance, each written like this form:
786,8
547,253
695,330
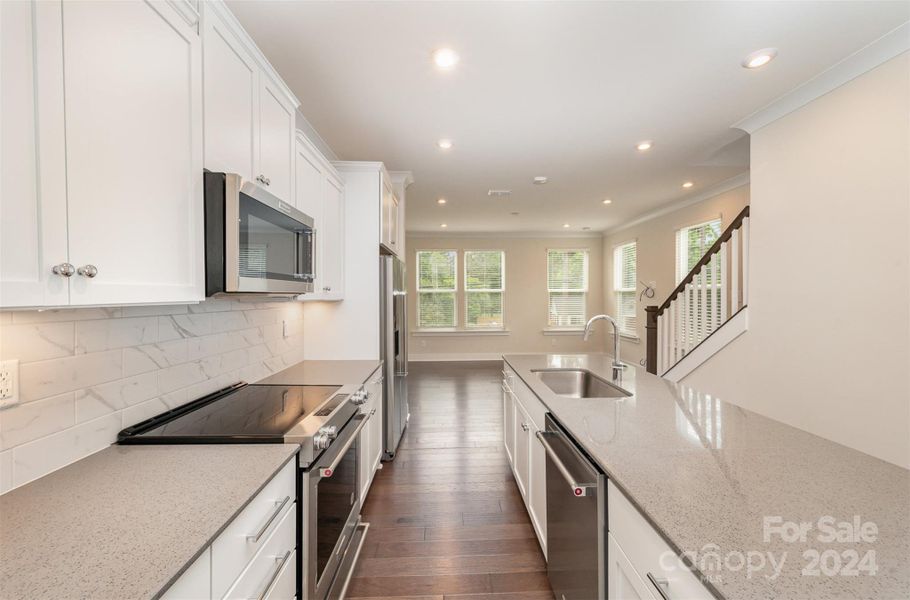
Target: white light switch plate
9,383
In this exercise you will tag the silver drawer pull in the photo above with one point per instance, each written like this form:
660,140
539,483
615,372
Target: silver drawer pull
330,470
281,505
274,577
578,489
660,584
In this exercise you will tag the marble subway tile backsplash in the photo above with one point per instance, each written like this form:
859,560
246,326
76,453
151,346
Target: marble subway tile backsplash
85,374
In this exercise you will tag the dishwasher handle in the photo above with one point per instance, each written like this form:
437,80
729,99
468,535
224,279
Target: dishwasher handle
578,489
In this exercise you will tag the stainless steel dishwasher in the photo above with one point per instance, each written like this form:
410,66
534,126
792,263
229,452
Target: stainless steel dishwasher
576,518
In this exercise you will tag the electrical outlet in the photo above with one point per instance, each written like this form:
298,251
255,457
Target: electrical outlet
9,383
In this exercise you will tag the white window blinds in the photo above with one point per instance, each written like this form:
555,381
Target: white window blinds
484,283
624,286
691,244
567,286
436,286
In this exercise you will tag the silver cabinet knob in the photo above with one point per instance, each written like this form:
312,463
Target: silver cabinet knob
88,271
64,269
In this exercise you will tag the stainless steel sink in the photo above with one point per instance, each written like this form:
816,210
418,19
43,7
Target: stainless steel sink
578,383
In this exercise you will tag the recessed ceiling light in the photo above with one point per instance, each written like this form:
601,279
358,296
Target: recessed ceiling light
441,201
540,180
644,146
759,58
444,143
565,225
688,184
445,58
607,201
443,225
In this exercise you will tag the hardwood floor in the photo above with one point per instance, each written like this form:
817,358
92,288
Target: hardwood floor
447,521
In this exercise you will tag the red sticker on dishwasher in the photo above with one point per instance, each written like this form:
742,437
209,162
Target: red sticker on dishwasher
579,491
327,472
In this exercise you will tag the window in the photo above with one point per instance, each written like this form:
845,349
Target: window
691,244
567,284
624,286
436,286
484,282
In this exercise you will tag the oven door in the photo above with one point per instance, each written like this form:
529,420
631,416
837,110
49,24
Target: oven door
269,244
331,510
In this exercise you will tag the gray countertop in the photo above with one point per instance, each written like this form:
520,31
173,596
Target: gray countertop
324,372
707,473
127,521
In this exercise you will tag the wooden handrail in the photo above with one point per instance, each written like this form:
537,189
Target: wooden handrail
714,249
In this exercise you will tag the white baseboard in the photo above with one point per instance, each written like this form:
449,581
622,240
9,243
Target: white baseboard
713,344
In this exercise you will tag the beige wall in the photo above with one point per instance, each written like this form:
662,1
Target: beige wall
656,255
524,303
828,346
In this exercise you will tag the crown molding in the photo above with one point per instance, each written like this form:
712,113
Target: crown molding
504,234
404,178
865,59
674,205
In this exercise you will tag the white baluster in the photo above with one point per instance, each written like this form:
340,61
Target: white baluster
715,291
725,282
661,342
671,358
699,317
684,337
734,279
705,303
745,243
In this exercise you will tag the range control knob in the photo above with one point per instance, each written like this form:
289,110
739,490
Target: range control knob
359,397
325,435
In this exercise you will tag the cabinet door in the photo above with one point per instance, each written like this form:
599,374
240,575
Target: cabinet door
537,494
276,140
385,235
393,224
133,85
623,582
521,456
375,389
332,282
231,100
364,455
32,210
508,424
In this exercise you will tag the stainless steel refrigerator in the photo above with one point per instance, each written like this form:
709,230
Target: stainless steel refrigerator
393,350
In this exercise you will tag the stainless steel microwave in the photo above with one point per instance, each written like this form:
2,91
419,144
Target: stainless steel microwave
255,243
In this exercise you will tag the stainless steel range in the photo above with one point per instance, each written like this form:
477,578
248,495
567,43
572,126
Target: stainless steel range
324,421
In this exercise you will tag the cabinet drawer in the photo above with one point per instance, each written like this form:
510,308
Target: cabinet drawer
285,587
195,583
645,548
237,544
271,564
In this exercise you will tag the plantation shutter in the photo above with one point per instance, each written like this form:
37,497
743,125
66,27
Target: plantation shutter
436,285
484,282
567,286
625,279
692,243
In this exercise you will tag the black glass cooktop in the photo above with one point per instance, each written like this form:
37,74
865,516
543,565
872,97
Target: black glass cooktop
254,413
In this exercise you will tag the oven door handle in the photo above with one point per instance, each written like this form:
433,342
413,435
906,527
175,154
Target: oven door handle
330,470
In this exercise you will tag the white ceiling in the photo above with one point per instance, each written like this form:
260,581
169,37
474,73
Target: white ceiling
561,89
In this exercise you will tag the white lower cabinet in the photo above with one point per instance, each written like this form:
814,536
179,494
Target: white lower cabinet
523,417
195,582
370,442
642,559
255,555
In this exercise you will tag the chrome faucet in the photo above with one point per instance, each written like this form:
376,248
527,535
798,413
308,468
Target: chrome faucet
616,364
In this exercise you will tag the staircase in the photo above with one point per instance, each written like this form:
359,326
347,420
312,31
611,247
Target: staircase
706,311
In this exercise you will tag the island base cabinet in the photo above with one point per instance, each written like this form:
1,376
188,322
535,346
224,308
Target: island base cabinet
623,583
648,555
196,581
370,442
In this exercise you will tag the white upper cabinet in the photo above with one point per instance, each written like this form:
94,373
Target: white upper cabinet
231,79
276,140
32,210
320,194
133,89
112,194
249,113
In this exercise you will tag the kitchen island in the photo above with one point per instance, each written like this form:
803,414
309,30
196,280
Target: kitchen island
718,481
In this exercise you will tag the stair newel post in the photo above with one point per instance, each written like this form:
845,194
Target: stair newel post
651,339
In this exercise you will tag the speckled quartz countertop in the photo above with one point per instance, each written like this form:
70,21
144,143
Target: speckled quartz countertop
127,521
324,372
706,474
